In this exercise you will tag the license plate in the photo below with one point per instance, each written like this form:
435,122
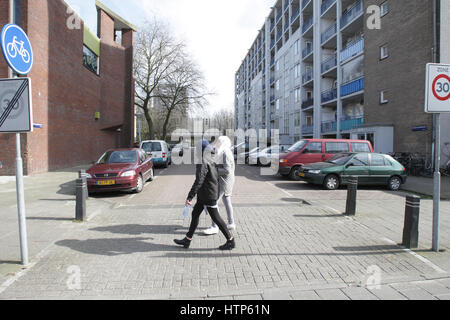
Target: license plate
106,182
302,175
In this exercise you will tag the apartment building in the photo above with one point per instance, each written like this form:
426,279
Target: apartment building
318,68
83,88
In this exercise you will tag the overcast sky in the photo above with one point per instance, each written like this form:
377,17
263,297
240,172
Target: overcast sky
218,33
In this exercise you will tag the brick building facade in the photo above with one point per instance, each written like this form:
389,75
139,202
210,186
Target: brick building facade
83,112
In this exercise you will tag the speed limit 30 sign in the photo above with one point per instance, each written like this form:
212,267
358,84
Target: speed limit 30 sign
437,87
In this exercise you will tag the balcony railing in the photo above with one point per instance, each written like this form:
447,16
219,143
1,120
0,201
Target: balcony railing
295,15
329,64
305,3
352,13
307,51
307,103
329,126
286,26
353,49
307,129
307,76
279,35
272,44
351,123
329,95
325,5
352,87
278,17
329,33
307,24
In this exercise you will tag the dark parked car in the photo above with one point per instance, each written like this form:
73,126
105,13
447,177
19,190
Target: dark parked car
120,169
370,168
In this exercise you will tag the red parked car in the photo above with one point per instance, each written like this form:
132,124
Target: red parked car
310,151
120,169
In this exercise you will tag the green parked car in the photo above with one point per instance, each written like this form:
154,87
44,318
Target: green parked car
370,168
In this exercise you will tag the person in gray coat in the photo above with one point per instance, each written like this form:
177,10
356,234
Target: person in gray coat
226,167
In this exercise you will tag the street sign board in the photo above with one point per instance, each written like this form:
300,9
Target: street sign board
16,113
16,49
437,88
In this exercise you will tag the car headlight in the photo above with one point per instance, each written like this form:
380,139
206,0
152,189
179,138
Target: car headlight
130,173
283,160
314,171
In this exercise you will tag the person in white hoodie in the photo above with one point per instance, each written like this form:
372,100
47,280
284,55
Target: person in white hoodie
226,167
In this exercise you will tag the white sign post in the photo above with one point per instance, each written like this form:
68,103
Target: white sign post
437,101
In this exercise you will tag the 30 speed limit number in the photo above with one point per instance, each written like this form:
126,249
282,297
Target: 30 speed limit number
437,98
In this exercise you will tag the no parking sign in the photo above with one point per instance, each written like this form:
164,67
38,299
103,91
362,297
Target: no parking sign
437,87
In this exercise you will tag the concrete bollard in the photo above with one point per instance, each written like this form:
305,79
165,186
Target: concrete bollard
80,208
82,175
411,228
352,192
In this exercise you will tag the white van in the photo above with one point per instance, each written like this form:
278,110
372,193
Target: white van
159,150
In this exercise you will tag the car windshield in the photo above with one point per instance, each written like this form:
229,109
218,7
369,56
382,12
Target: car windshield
298,146
340,159
111,157
151,146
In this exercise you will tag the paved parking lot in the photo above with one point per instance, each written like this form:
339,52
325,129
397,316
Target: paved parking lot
292,243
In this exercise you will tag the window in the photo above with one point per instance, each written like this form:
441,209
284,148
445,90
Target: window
90,60
383,99
377,161
384,8
337,147
297,71
277,85
296,47
297,120
297,94
361,160
278,104
360,147
151,146
384,52
314,147
277,65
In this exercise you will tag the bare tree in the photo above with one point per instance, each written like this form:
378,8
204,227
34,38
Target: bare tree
156,54
182,91
223,120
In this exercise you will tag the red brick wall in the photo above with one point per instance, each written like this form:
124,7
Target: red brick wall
66,94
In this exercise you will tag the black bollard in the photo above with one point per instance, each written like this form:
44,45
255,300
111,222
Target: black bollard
411,228
80,208
352,189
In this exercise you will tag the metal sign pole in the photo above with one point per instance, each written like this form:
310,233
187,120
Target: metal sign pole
437,184
19,179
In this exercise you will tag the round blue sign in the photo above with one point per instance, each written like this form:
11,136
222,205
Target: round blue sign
16,49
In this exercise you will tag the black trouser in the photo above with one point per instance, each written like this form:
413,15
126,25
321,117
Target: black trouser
215,216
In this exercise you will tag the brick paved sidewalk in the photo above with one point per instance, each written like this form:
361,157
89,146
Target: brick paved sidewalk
284,252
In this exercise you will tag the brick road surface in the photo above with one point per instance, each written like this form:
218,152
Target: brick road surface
292,243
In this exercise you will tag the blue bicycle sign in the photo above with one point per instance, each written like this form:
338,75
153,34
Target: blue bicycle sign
16,49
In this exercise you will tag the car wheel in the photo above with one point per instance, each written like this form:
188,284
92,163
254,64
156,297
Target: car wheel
331,182
294,175
140,184
395,183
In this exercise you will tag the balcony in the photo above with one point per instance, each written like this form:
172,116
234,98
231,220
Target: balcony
329,64
329,126
307,76
307,51
353,49
329,33
351,14
307,24
307,129
295,14
326,5
307,103
305,3
329,95
279,35
351,123
278,17
352,87
272,44
272,98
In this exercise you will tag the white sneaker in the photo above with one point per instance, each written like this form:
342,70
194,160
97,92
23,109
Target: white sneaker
231,226
210,231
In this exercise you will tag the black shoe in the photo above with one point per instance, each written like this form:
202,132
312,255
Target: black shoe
185,242
230,245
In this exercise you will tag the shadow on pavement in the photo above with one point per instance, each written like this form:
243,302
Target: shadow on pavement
134,229
116,247
67,188
318,216
49,219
